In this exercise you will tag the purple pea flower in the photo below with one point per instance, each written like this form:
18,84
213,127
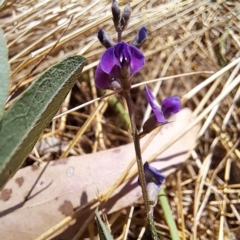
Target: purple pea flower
170,106
153,175
117,66
154,181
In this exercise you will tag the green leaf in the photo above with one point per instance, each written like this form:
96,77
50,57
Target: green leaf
25,120
4,73
102,229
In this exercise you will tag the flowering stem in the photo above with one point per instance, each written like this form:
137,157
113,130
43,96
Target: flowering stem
119,32
142,179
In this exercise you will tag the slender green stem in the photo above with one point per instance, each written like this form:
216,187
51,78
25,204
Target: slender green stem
168,215
142,179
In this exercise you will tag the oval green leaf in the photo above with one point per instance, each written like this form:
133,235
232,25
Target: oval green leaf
23,123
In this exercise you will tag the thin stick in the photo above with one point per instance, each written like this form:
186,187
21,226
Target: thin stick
128,222
133,86
195,90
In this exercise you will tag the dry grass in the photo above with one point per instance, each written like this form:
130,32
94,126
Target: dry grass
184,37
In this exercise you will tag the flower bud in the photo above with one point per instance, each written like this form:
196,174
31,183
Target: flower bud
105,39
116,14
140,37
125,16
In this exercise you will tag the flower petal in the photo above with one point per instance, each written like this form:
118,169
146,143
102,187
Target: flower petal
155,106
101,78
122,52
137,59
108,60
171,105
153,175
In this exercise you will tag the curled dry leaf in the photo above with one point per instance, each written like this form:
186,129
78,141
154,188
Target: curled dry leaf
69,183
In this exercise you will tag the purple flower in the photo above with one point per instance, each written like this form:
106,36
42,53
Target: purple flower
154,181
170,106
117,65
153,175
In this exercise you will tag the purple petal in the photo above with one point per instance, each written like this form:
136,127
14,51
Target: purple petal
108,60
137,59
101,78
121,50
155,106
153,175
171,105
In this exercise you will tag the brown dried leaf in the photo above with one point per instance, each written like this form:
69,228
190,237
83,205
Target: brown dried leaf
69,183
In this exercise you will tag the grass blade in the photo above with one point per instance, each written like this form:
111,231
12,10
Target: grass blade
102,229
168,215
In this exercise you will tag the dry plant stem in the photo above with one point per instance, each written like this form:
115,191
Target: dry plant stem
141,174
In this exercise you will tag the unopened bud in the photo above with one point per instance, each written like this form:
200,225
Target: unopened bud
140,37
116,14
125,16
105,39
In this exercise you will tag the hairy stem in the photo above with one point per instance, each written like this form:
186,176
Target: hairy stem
119,32
142,179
